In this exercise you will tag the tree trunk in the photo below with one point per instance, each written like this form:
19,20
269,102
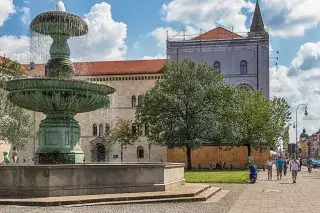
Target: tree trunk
189,166
249,150
249,158
121,154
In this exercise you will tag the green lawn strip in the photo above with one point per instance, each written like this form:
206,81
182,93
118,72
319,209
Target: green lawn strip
216,177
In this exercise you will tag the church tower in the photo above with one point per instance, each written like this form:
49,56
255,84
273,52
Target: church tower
257,27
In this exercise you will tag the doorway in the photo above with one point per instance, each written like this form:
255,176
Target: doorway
101,152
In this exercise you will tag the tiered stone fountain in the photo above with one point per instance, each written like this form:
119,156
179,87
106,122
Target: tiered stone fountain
59,171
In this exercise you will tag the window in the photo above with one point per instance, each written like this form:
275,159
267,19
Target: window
216,65
140,129
140,152
140,100
94,130
134,101
243,68
107,129
100,130
134,129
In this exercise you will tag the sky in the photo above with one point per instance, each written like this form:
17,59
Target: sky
137,29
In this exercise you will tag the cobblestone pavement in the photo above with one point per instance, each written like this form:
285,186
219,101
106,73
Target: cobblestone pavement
215,206
281,196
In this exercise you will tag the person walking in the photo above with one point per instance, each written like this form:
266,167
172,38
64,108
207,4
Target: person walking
285,167
300,161
309,163
279,164
269,168
295,169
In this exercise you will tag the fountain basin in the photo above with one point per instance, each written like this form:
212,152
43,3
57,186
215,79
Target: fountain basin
59,22
58,95
66,180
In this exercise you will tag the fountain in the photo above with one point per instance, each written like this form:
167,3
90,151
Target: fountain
58,95
59,169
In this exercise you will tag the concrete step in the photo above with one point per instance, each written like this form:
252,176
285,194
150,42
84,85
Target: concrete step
218,196
203,196
187,191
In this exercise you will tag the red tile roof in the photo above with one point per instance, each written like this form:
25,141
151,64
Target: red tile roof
111,67
217,33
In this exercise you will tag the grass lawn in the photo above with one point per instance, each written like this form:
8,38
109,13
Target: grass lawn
216,177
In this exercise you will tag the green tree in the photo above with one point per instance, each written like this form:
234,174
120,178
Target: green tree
15,122
184,108
262,121
124,133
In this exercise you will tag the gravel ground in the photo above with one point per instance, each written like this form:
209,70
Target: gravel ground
222,206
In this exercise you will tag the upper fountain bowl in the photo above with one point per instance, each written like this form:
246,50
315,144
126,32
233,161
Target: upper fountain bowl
59,22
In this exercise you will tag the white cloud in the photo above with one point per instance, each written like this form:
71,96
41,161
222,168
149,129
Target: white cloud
301,86
290,17
15,47
105,41
161,33
6,9
106,38
284,18
26,17
159,56
208,14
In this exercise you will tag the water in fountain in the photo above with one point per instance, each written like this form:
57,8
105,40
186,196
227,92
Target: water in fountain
59,96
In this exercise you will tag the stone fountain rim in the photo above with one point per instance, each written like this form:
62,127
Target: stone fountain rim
72,84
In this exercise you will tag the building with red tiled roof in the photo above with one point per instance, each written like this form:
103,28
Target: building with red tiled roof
217,33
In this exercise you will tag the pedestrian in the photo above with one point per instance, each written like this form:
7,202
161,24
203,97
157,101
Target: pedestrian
285,167
300,164
253,174
6,158
295,169
269,168
290,163
309,163
279,164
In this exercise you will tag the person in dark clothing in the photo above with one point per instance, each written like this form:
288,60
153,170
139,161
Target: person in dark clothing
285,167
300,165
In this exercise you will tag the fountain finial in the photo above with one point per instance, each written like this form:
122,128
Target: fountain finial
61,7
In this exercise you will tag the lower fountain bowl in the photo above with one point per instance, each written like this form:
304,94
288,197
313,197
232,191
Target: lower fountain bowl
51,94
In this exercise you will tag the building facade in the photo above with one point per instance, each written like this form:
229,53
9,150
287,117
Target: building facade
243,60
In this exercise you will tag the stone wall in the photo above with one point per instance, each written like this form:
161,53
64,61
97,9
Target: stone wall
212,154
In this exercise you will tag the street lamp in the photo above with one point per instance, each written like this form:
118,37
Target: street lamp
296,124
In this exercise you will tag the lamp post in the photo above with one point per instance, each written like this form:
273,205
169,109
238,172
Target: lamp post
296,124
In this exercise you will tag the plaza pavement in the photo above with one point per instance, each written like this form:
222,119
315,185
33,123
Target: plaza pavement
281,196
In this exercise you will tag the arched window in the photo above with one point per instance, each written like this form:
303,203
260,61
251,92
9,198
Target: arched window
134,101
146,129
140,152
243,68
246,86
134,129
140,100
100,130
216,65
94,130
107,129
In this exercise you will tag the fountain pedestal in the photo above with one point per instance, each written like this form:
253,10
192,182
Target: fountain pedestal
59,140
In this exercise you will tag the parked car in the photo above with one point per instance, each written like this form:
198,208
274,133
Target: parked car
316,163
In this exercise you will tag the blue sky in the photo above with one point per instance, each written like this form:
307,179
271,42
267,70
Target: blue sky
136,29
